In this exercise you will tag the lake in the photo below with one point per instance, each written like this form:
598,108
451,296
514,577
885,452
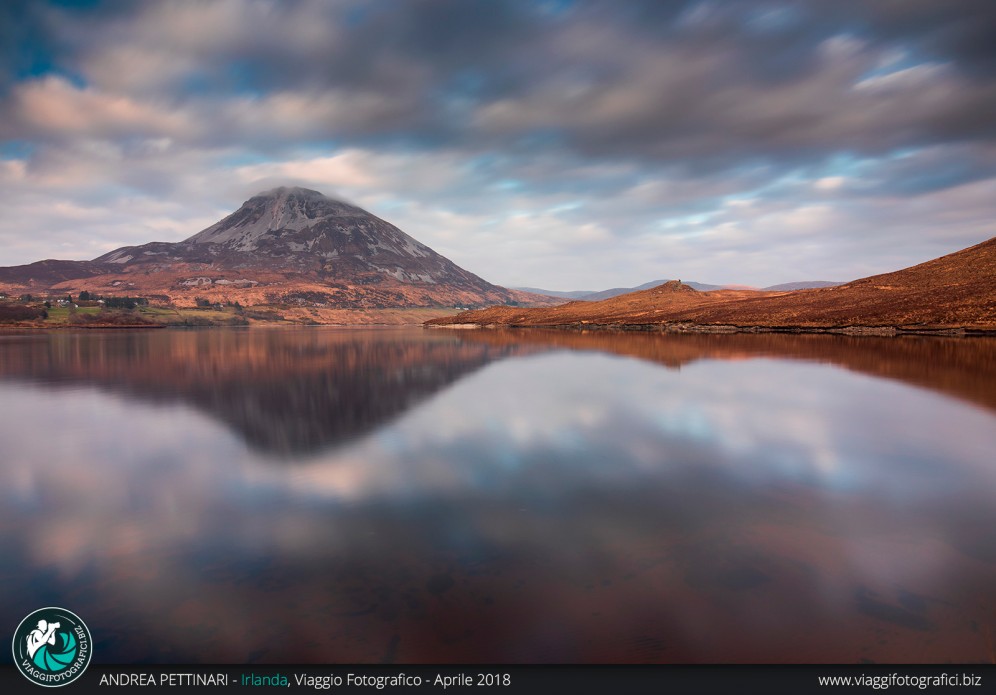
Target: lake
411,496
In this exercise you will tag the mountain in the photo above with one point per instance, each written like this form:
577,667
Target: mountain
954,291
594,296
805,285
573,294
616,291
287,245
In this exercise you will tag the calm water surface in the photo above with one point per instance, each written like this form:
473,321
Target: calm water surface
322,495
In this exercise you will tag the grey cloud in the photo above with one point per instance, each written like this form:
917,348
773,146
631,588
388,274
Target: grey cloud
594,142
699,103
22,36
928,170
960,31
711,84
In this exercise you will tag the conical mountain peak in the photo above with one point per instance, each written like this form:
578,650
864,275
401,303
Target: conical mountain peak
302,230
293,245
293,192
289,190
284,208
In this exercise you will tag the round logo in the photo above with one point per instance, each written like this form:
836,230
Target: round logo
52,647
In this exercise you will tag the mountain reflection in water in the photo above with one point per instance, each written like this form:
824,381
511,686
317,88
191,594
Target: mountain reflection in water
517,496
284,391
293,392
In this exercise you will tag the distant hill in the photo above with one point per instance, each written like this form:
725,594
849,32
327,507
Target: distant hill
42,274
575,294
643,306
594,296
954,291
616,291
703,287
284,246
805,285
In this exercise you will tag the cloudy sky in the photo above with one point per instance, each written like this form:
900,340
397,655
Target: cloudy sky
559,144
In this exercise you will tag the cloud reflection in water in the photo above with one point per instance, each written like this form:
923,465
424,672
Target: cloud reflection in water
559,507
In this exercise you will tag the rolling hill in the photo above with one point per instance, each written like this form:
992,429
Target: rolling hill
956,291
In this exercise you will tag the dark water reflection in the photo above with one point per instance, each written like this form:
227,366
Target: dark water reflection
286,392
410,496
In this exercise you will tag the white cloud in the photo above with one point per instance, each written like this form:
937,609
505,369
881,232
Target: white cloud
163,44
913,77
829,183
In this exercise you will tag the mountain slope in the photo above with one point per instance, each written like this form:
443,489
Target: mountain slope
804,285
50,272
572,294
644,306
287,245
957,290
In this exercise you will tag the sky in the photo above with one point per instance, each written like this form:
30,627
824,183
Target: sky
554,144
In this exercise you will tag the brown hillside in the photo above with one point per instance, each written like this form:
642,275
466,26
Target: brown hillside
954,291
645,306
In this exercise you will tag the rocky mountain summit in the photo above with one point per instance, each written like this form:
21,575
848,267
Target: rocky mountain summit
286,245
298,229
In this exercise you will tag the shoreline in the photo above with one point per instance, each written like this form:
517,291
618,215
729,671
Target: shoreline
581,327
684,328
260,325
7,327
266,316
